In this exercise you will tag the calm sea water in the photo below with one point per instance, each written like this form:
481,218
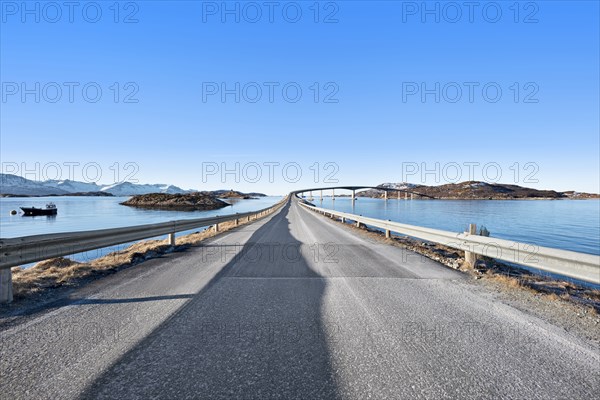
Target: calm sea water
89,213
562,224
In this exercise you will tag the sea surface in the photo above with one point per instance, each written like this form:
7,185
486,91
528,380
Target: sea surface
89,213
562,224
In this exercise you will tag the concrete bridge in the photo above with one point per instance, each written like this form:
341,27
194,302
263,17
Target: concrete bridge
353,189
292,306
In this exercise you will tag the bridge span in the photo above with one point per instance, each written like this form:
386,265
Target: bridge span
353,189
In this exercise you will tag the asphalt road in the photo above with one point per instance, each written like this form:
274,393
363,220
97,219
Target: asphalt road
293,306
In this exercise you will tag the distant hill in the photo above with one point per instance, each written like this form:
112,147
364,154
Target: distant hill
132,189
234,194
14,185
476,190
75,194
71,186
380,193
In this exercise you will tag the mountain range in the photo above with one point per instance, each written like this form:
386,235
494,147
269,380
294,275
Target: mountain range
15,185
476,190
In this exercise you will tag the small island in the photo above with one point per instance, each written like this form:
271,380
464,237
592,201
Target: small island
197,201
233,194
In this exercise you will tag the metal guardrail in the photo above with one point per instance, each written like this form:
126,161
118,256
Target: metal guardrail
581,266
27,249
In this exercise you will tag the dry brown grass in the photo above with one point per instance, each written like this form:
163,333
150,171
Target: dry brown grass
504,276
62,272
505,280
553,297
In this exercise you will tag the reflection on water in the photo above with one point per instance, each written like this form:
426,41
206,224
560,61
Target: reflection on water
44,218
564,224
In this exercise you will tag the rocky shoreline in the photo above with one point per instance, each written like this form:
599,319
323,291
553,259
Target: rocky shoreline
76,194
232,194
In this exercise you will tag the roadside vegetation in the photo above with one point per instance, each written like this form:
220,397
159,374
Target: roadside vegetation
575,307
37,282
507,275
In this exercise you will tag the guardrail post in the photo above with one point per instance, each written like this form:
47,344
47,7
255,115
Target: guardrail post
171,239
471,258
237,221
6,287
343,220
388,233
571,264
216,227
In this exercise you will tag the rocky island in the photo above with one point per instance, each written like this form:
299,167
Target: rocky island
197,201
233,194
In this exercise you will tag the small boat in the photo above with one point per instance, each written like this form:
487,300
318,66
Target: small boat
49,210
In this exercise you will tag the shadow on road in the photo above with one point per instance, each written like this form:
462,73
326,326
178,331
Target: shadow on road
80,302
255,331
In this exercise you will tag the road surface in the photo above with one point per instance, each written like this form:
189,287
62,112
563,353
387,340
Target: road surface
292,306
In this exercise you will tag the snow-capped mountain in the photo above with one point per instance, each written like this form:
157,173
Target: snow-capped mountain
16,185
475,190
398,185
72,186
387,185
132,189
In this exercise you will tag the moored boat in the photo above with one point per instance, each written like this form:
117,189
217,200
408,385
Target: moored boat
32,211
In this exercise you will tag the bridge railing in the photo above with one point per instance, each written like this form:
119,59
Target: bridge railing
585,267
28,249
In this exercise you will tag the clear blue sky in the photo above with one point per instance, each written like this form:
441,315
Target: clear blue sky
371,61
